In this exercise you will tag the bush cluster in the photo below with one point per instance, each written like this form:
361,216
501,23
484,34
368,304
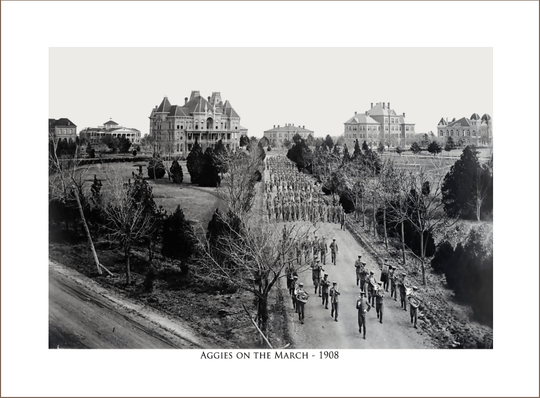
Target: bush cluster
469,272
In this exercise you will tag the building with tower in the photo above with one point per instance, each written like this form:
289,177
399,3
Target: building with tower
176,128
475,130
379,124
278,134
62,128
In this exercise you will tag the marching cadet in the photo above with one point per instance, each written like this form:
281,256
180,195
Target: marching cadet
316,247
316,269
325,283
370,284
294,286
298,247
414,308
384,274
323,247
333,250
362,305
334,299
359,268
299,303
393,282
342,217
379,295
403,291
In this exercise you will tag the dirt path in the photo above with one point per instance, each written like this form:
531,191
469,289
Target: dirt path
84,315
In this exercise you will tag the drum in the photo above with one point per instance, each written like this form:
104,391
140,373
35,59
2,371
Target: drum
302,297
413,301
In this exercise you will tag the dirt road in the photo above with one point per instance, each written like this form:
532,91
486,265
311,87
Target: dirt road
321,331
81,315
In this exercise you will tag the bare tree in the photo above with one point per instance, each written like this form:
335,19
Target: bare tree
255,259
482,187
128,218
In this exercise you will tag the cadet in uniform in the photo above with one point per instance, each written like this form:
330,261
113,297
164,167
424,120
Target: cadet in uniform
299,304
403,291
323,247
393,282
334,251
379,295
334,298
414,309
325,283
363,307
316,269
359,268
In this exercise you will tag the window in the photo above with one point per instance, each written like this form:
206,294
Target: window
196,127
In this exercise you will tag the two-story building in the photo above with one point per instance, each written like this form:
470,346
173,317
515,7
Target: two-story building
94,135
62,128
278,134
475,130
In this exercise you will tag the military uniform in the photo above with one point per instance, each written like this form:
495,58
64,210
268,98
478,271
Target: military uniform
359,268
325,284
362,305
334,251
316,269
379,295
334,299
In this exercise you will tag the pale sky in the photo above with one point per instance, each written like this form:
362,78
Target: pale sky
319,88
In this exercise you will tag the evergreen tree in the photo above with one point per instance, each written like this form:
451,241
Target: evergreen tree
329,142
357,151
244,140
336,151
209,176
425,141
399,150
449,144
346,156
195,162
434,148
310,141
415,148
123,145
380,148
467,188
179,240
176,172
365,147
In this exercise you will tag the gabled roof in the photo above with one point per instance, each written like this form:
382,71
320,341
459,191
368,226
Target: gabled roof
165,105
442,122
197,104
463,122
63,122
110,122
361,118
178,111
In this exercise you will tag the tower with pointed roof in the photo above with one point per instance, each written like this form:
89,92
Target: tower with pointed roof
175,128
379,124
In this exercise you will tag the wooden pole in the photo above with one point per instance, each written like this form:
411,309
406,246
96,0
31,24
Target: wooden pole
96,260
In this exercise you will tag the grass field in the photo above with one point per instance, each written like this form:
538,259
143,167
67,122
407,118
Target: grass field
197,203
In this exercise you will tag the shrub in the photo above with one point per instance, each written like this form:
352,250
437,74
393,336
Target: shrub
178,237
176,172
156,165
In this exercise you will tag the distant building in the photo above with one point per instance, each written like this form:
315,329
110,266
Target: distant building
94,135
175,128
278,134
62,128
475,130
380,123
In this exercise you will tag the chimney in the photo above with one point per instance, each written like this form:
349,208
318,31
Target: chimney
355,112
304,126
372,105
383,105
185,100
208,98
389,105
403,114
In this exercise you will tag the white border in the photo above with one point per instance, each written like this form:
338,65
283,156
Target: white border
29,29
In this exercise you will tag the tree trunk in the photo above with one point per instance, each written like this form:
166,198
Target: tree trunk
403,242
128,270
384,225
422,254
262,313
374,219
363,213
92,249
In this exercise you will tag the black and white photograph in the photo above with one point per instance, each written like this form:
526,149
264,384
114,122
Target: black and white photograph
278,200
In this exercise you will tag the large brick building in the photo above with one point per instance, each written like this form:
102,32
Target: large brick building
94,135
278,134
475,130
379,124
62,128
175,128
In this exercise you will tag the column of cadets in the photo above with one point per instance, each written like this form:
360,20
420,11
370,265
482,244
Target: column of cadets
298,198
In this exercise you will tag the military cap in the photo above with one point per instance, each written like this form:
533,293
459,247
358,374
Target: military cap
300,284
